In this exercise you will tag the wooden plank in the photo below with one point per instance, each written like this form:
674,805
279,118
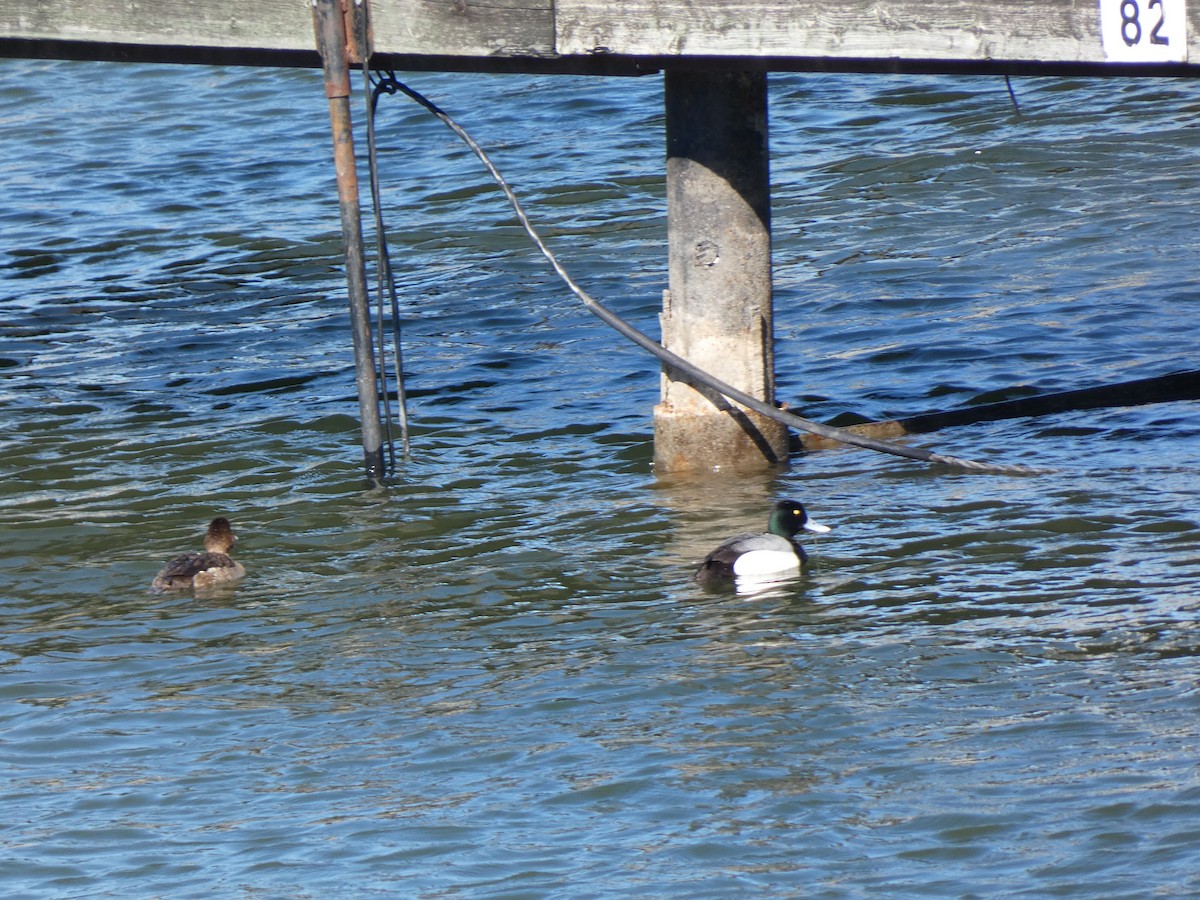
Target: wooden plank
495,28
1063,31
433,28
636,35
273,24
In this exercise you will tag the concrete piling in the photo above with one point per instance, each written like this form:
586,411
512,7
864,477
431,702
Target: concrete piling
717,311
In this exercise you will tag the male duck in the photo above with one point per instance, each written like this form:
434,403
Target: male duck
203,570
762,556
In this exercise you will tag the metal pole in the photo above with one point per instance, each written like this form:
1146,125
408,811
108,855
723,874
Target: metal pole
329,24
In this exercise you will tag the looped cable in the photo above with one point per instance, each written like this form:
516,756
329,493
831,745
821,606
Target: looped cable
678,363
384,273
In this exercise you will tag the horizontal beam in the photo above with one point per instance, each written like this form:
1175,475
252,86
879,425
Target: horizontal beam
1063,31
1102,37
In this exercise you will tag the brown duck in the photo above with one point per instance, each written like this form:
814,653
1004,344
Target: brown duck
204,570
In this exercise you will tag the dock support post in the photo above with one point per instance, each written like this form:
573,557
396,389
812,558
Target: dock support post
717,312
329,24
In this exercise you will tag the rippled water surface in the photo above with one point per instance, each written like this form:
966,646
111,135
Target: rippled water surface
495,678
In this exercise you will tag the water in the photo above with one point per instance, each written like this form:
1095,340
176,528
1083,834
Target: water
495,679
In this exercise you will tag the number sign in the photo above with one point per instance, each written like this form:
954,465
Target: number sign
1144,30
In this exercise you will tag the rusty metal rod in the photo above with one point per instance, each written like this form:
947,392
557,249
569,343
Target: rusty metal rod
330,28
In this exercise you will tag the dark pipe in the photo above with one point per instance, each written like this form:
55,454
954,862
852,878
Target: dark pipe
330,28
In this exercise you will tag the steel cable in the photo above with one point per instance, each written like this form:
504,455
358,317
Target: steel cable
676,362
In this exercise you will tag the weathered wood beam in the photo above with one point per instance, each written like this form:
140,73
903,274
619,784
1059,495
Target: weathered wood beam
1061,30
629,36
464,28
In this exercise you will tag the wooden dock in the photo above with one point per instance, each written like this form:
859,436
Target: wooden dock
715,56
602,37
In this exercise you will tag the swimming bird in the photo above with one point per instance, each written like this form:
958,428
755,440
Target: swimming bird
203,570
762,556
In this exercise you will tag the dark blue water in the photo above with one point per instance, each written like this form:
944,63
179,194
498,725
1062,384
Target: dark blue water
495,678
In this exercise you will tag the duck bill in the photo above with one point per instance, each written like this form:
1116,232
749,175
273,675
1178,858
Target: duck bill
816,527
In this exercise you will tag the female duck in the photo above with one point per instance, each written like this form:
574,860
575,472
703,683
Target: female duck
764,556
204,570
